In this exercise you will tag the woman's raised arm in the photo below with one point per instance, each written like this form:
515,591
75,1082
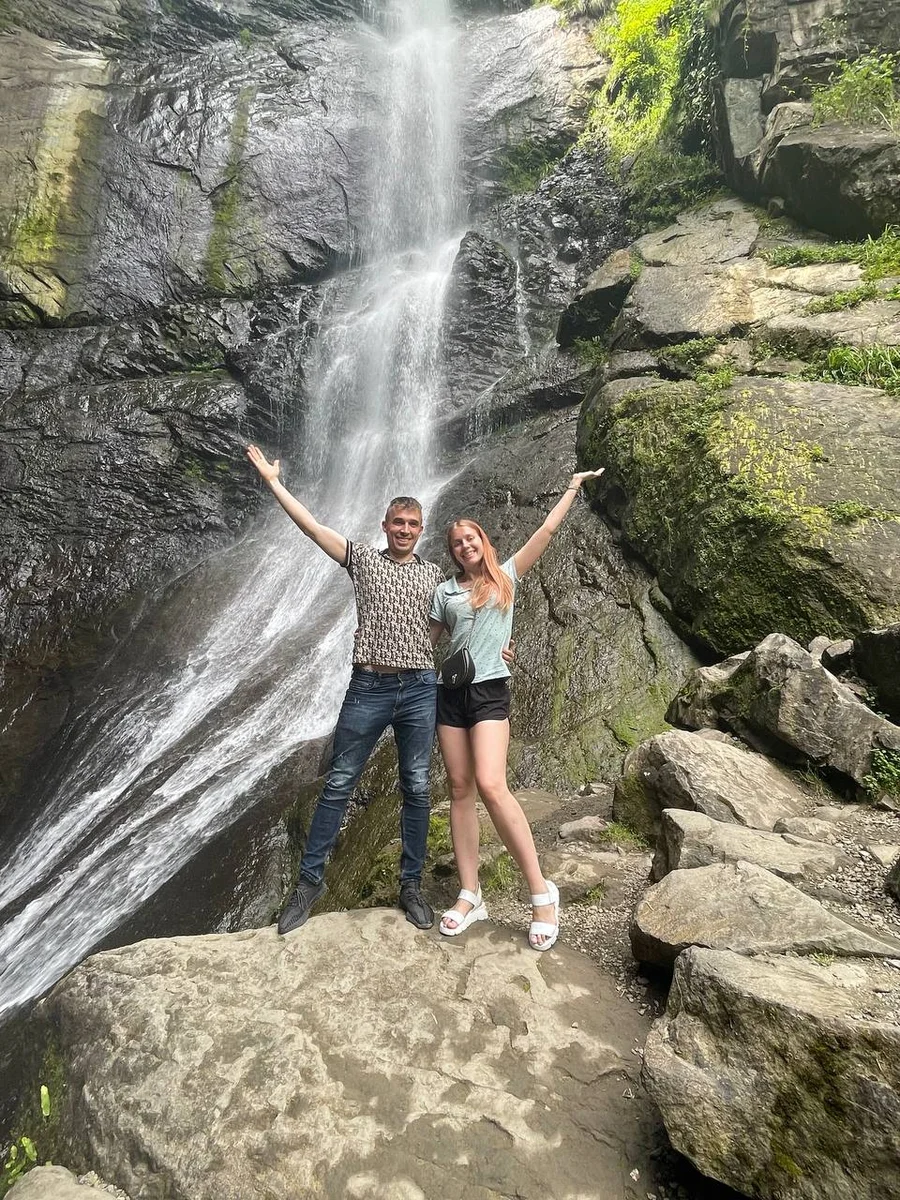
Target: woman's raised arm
540,539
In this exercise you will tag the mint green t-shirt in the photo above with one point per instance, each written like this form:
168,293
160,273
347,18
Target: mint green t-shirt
488,630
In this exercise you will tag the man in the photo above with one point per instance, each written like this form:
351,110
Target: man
393,683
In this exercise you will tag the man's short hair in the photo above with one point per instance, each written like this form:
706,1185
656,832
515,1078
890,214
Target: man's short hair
402,504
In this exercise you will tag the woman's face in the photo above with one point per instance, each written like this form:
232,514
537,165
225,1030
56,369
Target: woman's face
466,546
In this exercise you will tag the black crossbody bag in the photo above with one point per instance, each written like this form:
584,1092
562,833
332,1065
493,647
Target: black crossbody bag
459,669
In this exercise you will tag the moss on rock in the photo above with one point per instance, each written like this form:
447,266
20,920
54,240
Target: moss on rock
729,493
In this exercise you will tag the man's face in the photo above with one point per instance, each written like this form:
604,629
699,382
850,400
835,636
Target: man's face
403,527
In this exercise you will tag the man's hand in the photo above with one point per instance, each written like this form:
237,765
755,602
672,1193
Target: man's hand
268,470
508,653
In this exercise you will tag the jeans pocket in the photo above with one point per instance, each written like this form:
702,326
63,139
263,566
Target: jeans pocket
363,681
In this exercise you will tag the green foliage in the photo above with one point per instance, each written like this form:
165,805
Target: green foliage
716,381
439,840
245,37
655,108
848,512
863,366
861,92
591,352
20,1156
22,1152
691,355
850,298
523,166
617,834
500,877
879,257
884,774
592,896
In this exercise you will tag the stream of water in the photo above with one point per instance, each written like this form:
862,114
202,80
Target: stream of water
175,766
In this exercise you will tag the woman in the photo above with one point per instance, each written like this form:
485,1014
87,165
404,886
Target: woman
476,607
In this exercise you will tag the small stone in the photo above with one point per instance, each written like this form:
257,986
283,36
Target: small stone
586,829
883,852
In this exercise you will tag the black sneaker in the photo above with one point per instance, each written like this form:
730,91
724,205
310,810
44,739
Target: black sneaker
414,904
302,898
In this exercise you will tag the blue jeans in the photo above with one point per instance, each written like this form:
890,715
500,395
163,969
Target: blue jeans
406,701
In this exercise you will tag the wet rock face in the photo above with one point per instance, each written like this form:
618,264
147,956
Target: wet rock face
594,659
121,465
242,152
481,320
128,185
562,231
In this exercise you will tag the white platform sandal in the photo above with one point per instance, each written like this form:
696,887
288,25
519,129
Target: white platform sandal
477,912
544,928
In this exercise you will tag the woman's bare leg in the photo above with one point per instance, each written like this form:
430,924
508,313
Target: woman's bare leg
490,745
464,830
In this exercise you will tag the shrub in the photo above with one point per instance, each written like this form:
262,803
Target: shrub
861,91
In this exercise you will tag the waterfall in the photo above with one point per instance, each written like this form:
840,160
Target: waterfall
161,770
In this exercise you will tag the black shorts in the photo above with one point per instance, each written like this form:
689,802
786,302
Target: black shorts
466,706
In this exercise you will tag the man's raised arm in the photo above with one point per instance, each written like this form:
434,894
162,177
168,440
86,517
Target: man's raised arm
334,544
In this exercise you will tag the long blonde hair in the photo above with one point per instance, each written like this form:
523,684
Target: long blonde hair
494,581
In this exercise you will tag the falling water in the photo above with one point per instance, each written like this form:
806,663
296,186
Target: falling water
173,767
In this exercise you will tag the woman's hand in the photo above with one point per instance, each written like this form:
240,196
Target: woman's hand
580,476
268,470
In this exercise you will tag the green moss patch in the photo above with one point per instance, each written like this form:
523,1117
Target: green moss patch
722,502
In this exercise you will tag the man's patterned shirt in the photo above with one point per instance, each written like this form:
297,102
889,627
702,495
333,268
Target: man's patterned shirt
393,601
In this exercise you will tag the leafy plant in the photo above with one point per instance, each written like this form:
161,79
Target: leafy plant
523,166
884,774
692,354
654,111
21,1155
852,297
866,366
848,512
861,91
591,352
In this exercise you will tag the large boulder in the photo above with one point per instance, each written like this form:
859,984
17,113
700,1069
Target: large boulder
840,179
750,502
722,780
597,304
741,907
355,1058
53,1183
876,657
780,697
691,839
781,1076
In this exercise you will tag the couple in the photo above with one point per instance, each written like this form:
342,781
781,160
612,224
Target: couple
404,606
